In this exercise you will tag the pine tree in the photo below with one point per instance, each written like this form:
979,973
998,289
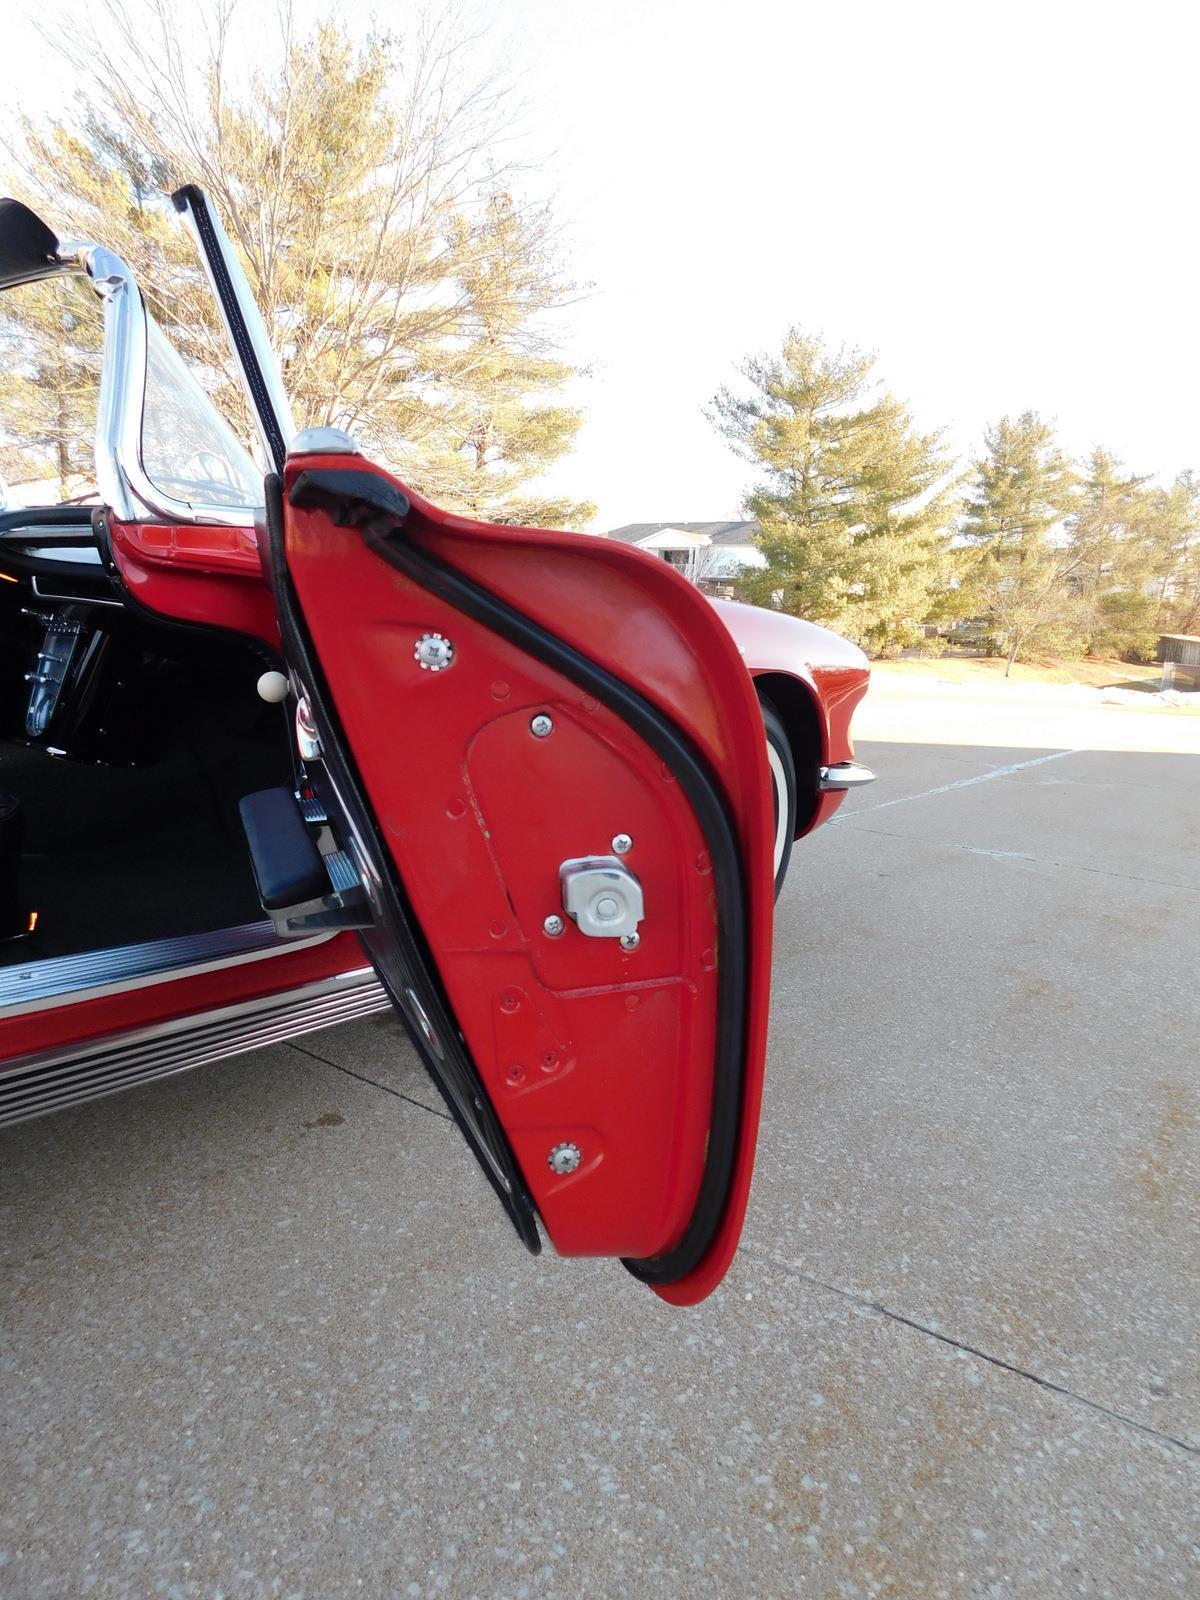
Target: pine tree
1173,538
1107,520
1020,495
1107,530
404,283
1137,547
855,505
50,350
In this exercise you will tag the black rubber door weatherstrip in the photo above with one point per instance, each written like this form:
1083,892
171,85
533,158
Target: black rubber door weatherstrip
193,199
397,948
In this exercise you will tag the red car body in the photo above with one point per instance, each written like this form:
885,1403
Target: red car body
464,812
201,575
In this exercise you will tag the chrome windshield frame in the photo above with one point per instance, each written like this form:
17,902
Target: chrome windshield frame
121,478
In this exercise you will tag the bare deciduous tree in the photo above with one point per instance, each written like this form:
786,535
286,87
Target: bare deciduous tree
405,282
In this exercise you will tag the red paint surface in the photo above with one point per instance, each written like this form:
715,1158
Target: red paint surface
834,672
574,1038
205,575
839,689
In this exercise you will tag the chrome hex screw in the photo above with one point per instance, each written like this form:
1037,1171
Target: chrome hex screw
622,844
553,926
564,1158
630,941
541,726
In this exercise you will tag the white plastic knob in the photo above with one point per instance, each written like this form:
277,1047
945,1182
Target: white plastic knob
273,688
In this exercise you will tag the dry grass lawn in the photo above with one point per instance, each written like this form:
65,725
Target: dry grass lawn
987,669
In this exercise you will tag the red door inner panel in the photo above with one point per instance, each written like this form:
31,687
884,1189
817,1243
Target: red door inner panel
479,821
578,1041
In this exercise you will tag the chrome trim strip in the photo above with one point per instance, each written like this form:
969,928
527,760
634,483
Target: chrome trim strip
49,1080
82,555
64,980
72,599
844,775
55,538
122,378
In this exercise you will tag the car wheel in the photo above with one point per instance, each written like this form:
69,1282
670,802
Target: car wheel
783,786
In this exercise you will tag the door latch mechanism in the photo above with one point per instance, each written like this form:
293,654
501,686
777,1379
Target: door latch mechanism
601,896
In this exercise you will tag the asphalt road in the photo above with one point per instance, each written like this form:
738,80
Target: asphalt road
265,1333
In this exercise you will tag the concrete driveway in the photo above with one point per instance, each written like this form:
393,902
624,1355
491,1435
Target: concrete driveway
266,1334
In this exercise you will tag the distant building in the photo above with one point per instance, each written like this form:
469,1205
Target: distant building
705,552
1180,656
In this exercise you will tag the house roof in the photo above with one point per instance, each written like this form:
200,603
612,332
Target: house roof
718,533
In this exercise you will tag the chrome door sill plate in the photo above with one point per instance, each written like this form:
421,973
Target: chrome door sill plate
49,1080
64,979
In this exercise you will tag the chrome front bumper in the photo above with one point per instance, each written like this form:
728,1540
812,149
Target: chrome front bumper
844,775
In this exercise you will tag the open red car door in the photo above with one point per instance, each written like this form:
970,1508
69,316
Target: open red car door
535,762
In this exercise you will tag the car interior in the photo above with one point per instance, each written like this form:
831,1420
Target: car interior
126,740
126,744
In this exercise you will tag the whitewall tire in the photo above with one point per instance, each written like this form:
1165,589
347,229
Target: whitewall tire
783,786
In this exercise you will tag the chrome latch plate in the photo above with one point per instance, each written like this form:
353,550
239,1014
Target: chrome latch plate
601,896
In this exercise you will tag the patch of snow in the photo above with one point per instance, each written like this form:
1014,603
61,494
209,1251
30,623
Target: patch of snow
1140,697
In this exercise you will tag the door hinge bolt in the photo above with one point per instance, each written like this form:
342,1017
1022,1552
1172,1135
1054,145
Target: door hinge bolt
630,941
553,926
565,1158
622,844
541,726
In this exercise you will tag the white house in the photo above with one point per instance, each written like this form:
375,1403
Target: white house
703,551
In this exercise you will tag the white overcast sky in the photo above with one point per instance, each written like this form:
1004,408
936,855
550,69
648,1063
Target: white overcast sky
998,199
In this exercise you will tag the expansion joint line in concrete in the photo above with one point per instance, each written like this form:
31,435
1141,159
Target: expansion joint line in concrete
867,1304
373,1082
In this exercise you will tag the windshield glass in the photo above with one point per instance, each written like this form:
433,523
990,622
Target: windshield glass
189,451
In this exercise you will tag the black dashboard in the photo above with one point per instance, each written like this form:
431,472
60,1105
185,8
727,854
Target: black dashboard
52,554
